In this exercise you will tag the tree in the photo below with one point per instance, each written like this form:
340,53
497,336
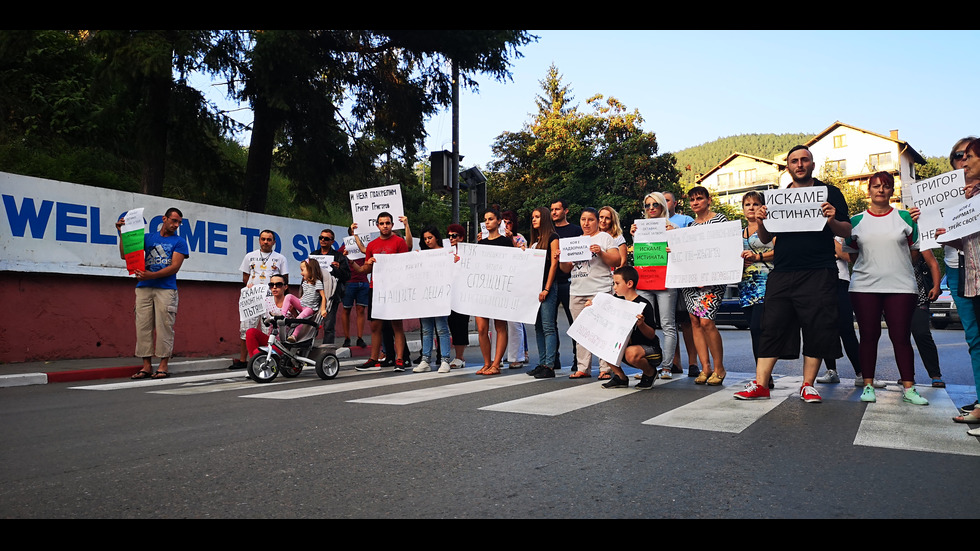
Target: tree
601,157
297,82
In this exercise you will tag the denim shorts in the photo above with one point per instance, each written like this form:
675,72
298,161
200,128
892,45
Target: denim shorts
359,292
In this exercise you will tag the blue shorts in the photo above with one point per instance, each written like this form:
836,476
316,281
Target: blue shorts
359,292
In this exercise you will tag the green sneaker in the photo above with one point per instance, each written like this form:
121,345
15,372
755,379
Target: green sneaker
868,395
912,396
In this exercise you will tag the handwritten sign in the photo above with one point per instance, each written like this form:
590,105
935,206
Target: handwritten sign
795,209
935,197
367,204
575,249
251,302
650,230
500,283
964,220
705,255
604,328
411,285
131,234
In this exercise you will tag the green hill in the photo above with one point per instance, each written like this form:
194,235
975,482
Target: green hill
701,158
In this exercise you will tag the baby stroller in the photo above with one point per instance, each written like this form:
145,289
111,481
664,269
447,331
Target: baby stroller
289,357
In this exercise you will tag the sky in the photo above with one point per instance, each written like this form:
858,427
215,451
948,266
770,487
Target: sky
693,87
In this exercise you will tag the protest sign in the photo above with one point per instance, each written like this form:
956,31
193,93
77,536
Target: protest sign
705,255
131,234
575,249
251,302
964,220
412,285
935,198
500,283
325,261
367,204
350,245
650,230
604,328
795,209
650,253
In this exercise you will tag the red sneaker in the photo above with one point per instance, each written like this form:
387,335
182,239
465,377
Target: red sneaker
809,394
753,391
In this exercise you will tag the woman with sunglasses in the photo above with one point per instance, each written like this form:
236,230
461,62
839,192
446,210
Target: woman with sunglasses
275,305
655,206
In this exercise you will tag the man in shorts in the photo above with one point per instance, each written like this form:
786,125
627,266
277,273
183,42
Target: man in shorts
643,349
257,268
156,293
801,292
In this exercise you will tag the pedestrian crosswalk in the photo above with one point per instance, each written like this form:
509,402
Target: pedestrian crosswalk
888,423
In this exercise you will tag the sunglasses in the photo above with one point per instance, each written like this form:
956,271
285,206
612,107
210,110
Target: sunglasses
325,238
652,205
454,236
276,284
959,155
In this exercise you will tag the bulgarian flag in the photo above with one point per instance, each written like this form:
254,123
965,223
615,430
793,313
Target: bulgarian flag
650,253
132,240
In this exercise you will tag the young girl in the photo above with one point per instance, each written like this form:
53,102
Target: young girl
313,296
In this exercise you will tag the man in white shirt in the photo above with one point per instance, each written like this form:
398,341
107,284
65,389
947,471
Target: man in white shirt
257,268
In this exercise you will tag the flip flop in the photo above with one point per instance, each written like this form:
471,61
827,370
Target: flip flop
160,375
967,418
142,375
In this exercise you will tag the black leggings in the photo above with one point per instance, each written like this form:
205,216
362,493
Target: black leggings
898,309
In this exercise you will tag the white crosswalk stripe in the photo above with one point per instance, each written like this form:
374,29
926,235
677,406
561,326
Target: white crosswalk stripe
721,412
892,423
888,423
445,391
361,384
566,400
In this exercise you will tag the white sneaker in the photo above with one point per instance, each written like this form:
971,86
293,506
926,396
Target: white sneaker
830,377
457,364
422,367
444,367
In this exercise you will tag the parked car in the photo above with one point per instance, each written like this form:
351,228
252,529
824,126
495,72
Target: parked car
730,312
942,311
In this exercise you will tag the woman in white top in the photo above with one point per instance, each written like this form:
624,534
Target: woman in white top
590,277
883,242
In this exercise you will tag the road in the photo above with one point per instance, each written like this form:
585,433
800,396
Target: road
404,445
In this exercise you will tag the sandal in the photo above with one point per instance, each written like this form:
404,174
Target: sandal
142,375
492,370
604,375
966,418
483,369
580,375
715,380
160,375
938,383
702,378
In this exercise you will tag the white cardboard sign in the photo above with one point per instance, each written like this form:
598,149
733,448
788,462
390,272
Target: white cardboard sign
500,283
795,209
604,328
705,255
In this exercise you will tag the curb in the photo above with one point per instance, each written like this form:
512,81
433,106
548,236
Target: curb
121,372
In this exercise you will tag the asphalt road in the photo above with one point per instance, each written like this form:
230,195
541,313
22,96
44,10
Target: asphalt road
404,445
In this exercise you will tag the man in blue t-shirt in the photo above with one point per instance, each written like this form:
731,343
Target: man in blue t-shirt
156,293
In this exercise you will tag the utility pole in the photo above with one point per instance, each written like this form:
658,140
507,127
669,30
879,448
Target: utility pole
455,171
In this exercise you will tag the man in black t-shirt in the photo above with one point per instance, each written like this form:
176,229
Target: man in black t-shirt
643,349
801,289
559,219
